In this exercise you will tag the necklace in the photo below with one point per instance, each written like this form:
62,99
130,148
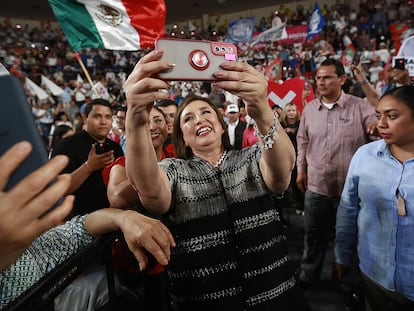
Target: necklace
220,161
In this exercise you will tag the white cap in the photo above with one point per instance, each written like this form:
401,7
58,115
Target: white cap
232,108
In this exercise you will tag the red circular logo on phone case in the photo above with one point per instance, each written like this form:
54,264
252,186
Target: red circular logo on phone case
199,59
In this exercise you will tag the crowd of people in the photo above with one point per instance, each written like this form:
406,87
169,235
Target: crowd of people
30,52
197,173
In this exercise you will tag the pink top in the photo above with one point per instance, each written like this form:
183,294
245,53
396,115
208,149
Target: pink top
327,140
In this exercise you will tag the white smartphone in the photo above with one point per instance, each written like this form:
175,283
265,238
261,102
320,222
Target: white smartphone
195,60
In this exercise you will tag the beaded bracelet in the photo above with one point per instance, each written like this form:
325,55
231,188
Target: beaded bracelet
363,82
269,138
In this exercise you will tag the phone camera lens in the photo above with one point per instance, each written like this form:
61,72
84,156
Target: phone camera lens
223,49
217,48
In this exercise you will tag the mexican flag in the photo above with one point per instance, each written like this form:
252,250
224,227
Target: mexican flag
127,25
348,53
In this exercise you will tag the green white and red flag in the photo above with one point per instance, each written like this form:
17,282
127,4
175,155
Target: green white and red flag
127,25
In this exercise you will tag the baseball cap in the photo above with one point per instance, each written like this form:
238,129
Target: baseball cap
232,108
276,106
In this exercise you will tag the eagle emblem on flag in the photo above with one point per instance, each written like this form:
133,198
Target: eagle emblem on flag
109,15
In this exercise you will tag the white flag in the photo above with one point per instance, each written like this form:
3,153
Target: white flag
52,87
102,91
79,79
191,26
36,90
270,35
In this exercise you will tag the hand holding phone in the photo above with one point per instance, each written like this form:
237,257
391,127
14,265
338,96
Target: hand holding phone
194,60
357,58
102,147
25,209
17,124
399,63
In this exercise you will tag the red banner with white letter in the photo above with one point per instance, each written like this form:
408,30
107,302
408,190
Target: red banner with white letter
288,91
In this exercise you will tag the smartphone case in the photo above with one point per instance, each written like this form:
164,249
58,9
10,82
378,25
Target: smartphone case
399,63
102,147
195,60
17,124
357,58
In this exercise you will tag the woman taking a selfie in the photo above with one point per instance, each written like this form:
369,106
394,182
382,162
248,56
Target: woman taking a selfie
230,249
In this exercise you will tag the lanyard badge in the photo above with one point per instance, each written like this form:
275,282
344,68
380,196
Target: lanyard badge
402,211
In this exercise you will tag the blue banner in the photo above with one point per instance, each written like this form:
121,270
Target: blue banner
316,22
240,30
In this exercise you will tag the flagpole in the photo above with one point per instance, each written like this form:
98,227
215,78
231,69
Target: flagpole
85,71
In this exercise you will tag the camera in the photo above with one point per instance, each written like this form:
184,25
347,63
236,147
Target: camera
195,60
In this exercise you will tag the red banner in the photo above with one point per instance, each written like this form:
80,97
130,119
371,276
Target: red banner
397,29
274,70
296,34
288,91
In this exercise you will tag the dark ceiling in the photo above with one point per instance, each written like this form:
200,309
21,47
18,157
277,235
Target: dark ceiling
177,10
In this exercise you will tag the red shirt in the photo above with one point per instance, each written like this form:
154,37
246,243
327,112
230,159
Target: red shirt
120,255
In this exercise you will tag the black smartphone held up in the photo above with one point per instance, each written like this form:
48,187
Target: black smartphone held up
17,124
102,147
399,63
195,60
357,58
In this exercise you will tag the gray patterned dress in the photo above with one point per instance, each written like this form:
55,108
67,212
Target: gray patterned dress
231,251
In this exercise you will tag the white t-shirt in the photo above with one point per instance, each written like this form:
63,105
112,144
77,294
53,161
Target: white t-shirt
374,71
383,54
232,129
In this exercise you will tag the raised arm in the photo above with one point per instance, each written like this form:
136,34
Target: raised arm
278,154
141,90
120,192
367,87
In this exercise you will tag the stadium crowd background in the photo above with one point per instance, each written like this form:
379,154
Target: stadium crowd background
30,51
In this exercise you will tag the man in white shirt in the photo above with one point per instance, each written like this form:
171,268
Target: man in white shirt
235,126
383,53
